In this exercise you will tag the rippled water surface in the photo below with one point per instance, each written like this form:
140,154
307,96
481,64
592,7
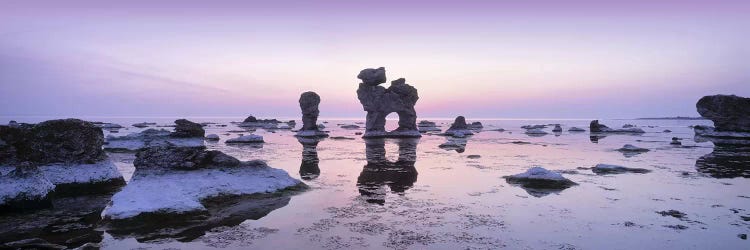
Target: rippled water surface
413,194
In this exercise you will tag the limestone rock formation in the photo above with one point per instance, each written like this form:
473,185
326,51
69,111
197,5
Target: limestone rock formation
728,112
378,102
595,127
187,129
53,141
309,102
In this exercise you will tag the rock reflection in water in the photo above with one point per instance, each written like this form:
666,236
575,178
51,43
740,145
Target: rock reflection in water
379,172
595,138
226,211
455,144
309,168
70,223
726,162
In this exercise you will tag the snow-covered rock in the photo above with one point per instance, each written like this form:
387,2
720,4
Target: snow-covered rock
23,188
246,139
311,133
171,180
539,177
615,169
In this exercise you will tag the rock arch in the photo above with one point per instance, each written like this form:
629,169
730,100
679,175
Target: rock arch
379,102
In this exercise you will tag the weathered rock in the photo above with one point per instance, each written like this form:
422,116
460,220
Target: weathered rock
149,138
53,141
309,102
459,128
378,102
250,119
728,112
595,127
615,169
576,129
372,77
187,129
427,126
184,158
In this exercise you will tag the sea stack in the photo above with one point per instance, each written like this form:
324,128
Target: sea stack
378,102
309,102
731,117
459,128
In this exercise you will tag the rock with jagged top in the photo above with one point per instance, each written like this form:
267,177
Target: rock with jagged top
379,101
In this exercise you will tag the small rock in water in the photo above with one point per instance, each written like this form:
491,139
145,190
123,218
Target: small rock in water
557,128
350,126
675,141
533,126
615,169
212,137
246,139
459,128
541,178
742,236
667,131
473,156
535,132
576,129
595,127
630,150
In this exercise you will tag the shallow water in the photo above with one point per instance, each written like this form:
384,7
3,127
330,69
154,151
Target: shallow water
412,194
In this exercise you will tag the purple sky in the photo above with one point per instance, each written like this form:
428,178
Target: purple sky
482,59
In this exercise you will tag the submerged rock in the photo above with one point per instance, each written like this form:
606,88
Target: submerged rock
728,112
576,129
459,128
246,139
615,169
454,144
539,182
629,150
144,124
595,127
535,132
378,102
476,125
174,180
534,126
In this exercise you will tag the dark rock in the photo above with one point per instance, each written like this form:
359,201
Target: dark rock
728,112
595,127
185,158
309,102
614,169
187,129
557,128
53,141
250,119
539,182
372,77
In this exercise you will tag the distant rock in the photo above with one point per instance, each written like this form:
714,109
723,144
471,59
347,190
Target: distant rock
667,131
533,126
535,132
576,129
459,128
378,102
246,139
182,158
253,122
454,144
675,141
144,124
557,128
427,126
615,169
539,182
111,126
631,148
350,126
187,129
473,156
212,137
728,112
476,125
595,127
628,126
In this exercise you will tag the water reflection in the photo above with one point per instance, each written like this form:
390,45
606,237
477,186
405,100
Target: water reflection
379,172
309,168
594,138
70,223
726,162
221,212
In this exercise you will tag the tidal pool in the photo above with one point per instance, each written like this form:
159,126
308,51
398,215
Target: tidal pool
414,194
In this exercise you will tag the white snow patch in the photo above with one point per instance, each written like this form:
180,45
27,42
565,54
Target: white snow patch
182,191
81,173
30,188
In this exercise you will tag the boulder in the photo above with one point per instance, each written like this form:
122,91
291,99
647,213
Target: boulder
54,141
183,158
378,102
459,128
728,112
538,181
187,129
476,125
